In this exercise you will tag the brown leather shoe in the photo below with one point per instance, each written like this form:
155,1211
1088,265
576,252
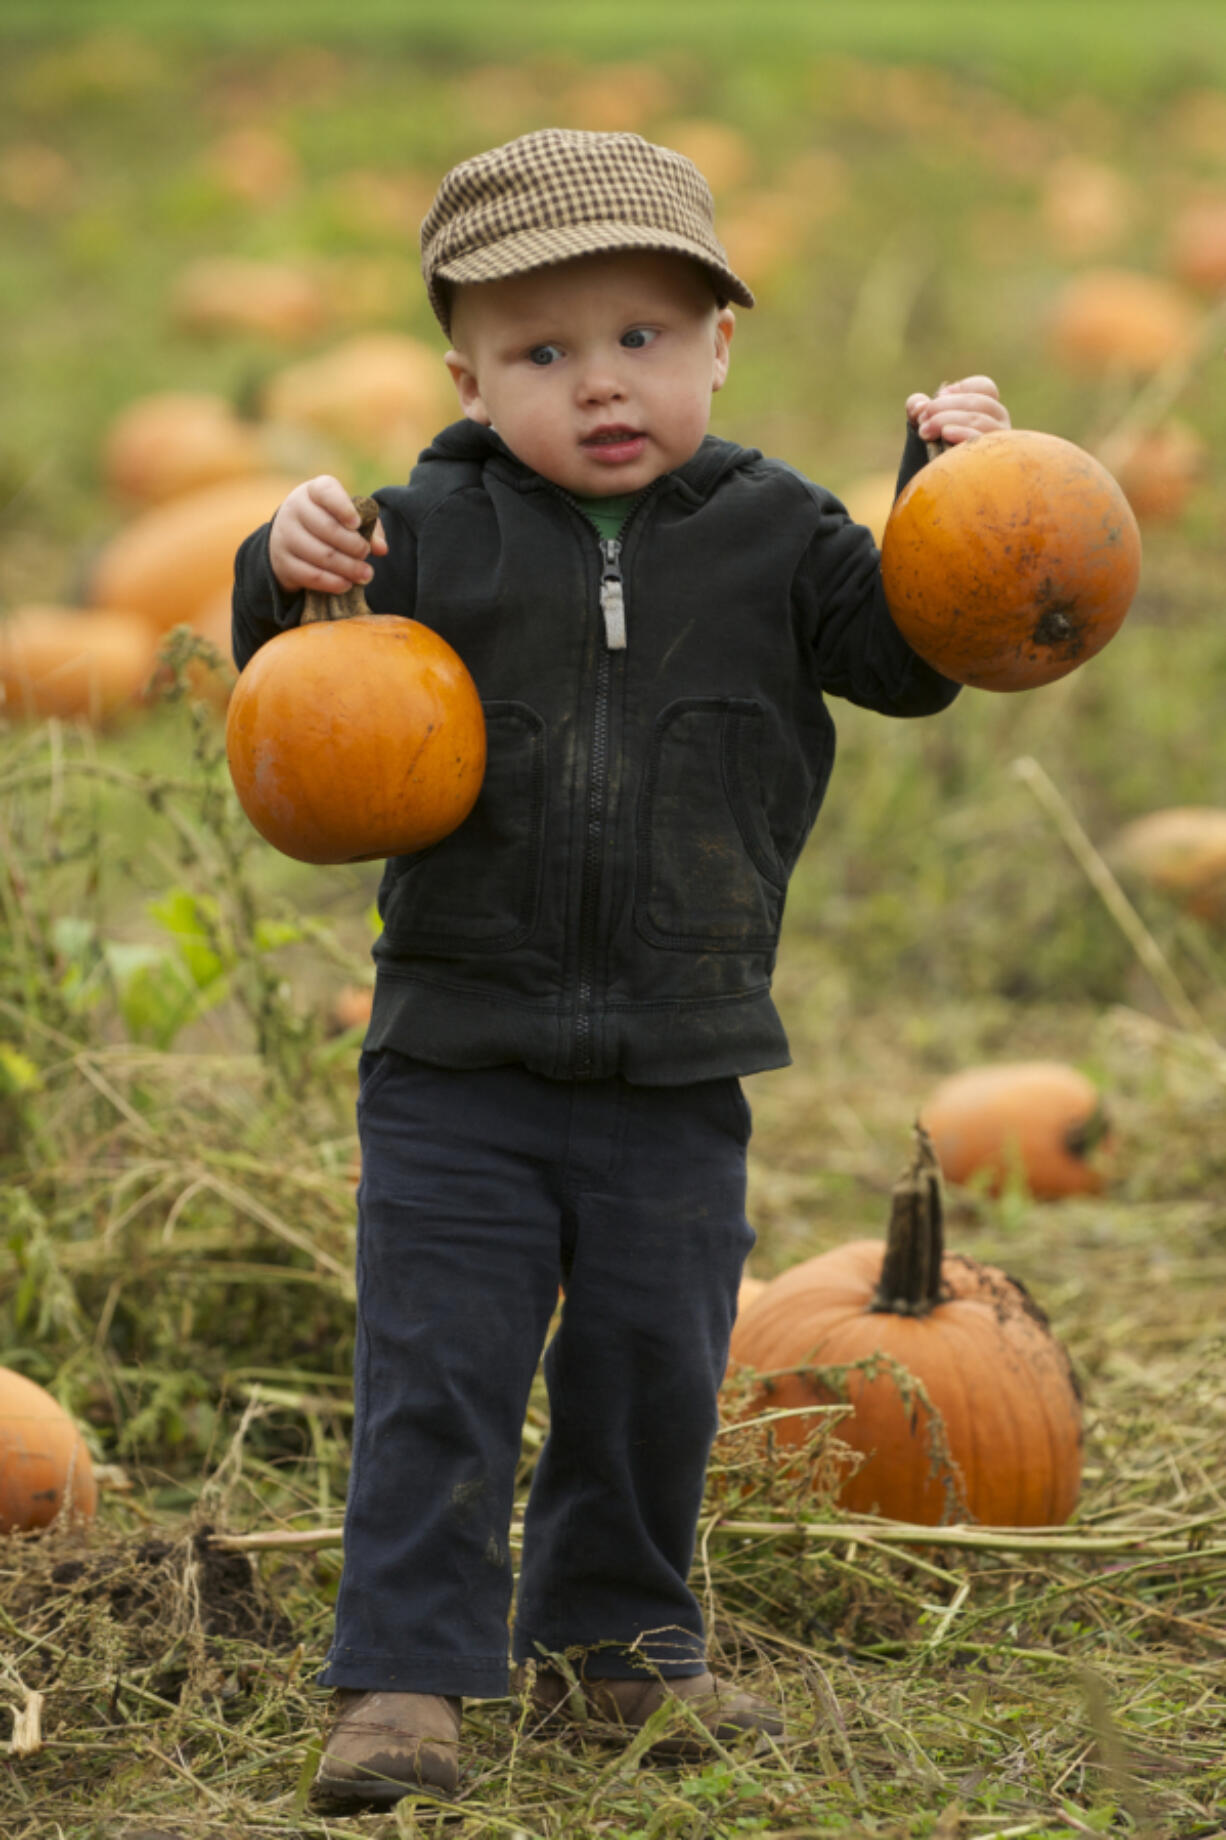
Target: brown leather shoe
387,1745
614,1711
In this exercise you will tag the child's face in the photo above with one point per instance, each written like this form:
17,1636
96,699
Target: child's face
598,372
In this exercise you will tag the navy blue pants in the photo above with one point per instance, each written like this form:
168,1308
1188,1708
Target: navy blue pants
480,1193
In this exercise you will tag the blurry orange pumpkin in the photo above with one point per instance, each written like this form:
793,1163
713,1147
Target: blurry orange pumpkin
176,441
44,1464
1182,851
383,393
1114,318
1010,559
357,736
217,296
1086,206
73,661
722,154
1007,1449
350,1008
173,559
750,1289
1160,472
1039,1119
254,165
1198,243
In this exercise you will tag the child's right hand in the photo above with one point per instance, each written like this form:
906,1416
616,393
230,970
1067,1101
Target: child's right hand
315,543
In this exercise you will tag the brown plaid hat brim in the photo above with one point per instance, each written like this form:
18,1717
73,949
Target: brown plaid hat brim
560,193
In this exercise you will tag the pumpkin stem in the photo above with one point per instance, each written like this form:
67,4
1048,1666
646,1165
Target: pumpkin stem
910,1282
343,606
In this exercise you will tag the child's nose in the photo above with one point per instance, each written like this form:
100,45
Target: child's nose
601,382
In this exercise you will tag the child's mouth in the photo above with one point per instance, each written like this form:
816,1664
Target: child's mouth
615,445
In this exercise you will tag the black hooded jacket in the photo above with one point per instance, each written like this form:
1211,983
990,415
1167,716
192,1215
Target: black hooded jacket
612,903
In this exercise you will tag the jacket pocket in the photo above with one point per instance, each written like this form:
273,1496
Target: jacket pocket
709,876
479,888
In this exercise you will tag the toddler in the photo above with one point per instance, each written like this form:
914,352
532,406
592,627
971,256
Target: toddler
570,986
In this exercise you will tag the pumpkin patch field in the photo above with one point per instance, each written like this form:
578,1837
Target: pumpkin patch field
966,1507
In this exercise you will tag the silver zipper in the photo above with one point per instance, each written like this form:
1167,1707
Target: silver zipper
613,594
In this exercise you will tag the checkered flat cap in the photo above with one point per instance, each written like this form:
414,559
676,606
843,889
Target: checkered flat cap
562,192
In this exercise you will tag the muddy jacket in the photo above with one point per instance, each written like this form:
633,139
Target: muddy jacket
659,745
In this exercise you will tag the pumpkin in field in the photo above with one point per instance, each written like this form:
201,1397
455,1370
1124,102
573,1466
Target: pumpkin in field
1198,243
176,441
750,1289
355,735
1039,1120
1115,319
73,661
963,1404
1180,850
221,296
171,560
383,393
1160,471
44,1465
1010,559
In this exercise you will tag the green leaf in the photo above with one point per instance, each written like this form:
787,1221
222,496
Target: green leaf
269,934
17,1071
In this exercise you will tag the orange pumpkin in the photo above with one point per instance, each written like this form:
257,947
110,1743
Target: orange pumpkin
1162,470
355,735
72,661
44,1464
914,1332
1114,319
1182,851
383,393
171,560
750,1290
176,441
1198,243
1040,1120
220,296
1010,559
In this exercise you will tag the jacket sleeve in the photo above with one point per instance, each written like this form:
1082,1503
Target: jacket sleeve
261,608
838,594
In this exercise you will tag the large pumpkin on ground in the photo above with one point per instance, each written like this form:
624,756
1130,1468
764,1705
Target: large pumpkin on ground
1180,850
355,735
963,1402
1010,559
74,662
1116,319
176,441
44,1464
173,559
1041,1121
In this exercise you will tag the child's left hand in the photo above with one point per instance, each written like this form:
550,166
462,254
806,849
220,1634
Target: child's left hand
958,411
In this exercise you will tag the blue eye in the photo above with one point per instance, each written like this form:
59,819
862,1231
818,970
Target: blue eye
543,354
637,338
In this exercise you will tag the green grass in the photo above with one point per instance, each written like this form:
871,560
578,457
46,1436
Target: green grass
176,1132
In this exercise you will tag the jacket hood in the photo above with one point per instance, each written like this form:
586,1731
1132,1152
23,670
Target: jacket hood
474,445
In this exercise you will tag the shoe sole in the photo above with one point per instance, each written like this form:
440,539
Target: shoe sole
349,1794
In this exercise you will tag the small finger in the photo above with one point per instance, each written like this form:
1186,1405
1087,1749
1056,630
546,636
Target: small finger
334,559
328,492
973,386
323,527
324,582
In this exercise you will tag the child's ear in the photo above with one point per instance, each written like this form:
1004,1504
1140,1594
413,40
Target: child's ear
725,326
467,388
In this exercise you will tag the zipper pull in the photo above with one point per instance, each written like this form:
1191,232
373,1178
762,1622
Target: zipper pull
612,594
